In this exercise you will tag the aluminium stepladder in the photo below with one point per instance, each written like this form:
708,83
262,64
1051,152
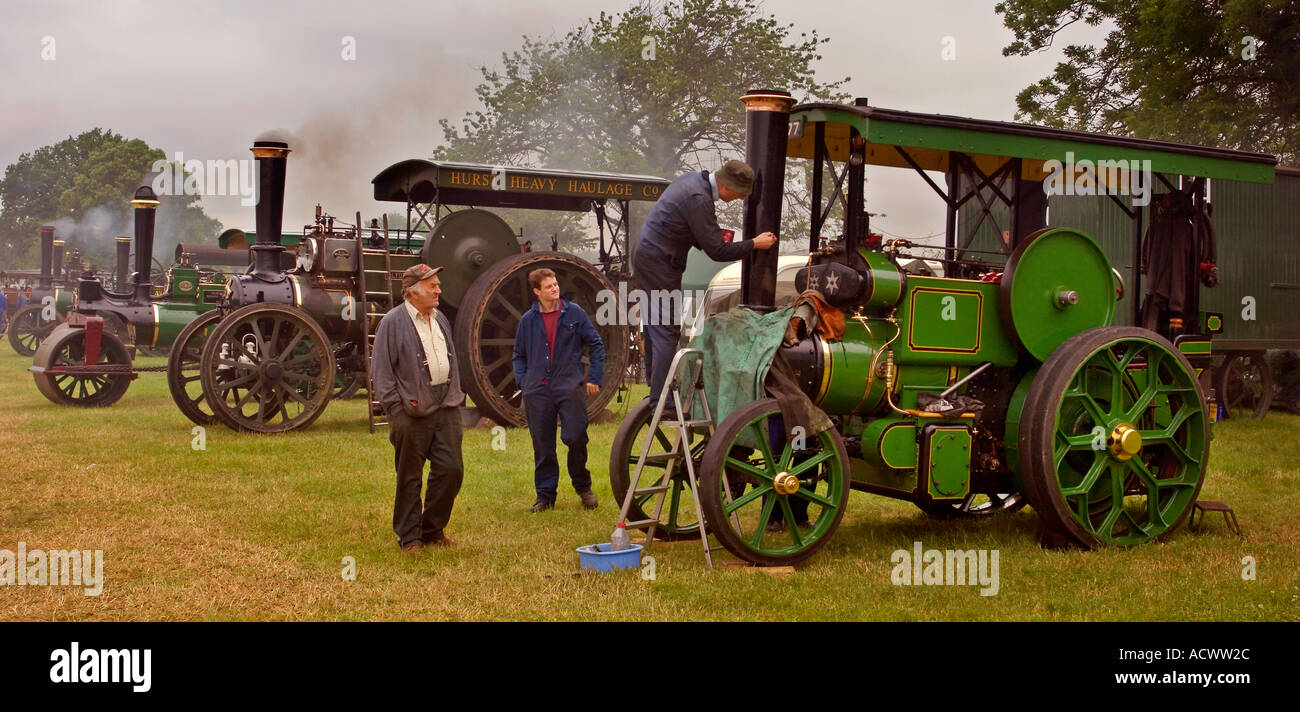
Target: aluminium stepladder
678,453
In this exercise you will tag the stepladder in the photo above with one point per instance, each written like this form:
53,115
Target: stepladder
689,415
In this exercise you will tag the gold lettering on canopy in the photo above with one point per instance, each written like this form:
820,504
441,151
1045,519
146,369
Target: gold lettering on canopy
524,183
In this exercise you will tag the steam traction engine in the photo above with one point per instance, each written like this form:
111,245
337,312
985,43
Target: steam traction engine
268,360
49,301
967,397
86,361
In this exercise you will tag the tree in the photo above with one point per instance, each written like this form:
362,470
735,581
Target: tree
1213,72
83,185
652,90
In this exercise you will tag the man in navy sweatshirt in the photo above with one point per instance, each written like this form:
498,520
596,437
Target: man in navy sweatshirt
683,218
548,368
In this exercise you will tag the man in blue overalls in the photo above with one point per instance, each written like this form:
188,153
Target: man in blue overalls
548,368
683,218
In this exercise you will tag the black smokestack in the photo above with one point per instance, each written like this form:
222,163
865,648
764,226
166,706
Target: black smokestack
58,261
767,121
122,271
145,203
47,257
271,160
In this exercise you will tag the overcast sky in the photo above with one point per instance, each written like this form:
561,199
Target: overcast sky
205,78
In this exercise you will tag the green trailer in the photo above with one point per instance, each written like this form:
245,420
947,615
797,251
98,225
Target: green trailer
1008,381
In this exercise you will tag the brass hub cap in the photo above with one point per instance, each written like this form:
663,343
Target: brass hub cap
1125,441
786,484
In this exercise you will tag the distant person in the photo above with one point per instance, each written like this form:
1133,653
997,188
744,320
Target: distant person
416,381
548,350
683,218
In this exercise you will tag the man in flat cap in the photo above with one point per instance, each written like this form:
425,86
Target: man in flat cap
416,382
684,218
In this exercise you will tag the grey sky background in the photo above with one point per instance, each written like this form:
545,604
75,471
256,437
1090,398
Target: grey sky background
206,78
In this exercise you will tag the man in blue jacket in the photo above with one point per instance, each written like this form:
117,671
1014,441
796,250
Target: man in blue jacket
683,218
548,367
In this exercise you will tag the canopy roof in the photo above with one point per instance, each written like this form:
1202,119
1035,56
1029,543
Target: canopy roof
927,139
422,181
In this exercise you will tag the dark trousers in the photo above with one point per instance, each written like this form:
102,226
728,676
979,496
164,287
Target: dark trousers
542,409
436,438
661,346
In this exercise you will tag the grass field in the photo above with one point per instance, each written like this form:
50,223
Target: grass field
256,528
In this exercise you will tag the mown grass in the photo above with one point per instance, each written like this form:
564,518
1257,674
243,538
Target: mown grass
256,528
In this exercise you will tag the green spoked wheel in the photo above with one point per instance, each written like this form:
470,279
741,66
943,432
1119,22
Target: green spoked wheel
1244,385
27,330
767,501
184,377
677,518
267,368
1114,439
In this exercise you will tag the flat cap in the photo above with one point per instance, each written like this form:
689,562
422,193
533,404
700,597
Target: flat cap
417,274
737,176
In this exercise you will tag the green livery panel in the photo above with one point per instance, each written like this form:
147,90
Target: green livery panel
949,321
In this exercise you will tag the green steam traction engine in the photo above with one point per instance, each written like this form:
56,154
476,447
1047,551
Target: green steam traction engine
1102,429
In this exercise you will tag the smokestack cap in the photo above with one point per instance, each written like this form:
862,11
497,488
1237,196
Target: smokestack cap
270,149
144,198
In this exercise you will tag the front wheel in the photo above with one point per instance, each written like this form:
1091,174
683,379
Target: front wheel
66,346
771,498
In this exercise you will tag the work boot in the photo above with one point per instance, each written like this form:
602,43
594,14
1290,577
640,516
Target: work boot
588,499
540,505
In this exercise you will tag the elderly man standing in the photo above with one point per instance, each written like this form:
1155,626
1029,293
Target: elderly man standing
683,218
416,382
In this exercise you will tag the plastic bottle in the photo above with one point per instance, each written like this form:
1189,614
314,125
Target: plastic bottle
619,540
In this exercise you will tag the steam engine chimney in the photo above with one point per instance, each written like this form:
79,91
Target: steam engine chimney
58,261
767,121
145,203
47,257
271,160
122,272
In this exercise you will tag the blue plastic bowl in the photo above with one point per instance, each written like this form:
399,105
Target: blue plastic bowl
598,557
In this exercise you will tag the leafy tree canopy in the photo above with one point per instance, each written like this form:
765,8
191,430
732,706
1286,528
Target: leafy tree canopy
652,90
1213,72
83,185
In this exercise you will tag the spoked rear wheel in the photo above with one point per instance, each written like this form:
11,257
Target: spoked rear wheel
1115,439
27,330
1245,385
769,498
677,518
184,377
